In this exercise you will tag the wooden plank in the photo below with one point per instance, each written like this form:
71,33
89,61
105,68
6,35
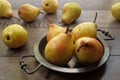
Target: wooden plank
95,4
35,29
10,70
114,44
35,34
104,19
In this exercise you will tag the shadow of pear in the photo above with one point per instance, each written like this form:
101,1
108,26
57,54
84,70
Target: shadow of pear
114,23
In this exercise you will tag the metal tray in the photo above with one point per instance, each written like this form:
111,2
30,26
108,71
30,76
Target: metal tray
73,66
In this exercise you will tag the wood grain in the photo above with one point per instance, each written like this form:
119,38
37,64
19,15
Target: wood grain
10,70
9,58
94,4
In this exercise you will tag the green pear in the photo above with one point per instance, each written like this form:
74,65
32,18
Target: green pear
88,50
5,9
28,12
50,6
85,29
59,50
70,12
115,10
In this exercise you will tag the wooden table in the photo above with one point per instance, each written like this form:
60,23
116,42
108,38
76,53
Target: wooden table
9,58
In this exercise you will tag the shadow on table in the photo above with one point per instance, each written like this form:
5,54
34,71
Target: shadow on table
114,23
93,75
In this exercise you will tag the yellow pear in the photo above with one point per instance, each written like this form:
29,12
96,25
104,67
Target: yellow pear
88,50
50,6
115,10
85,29
70,12
59,50
28,12
54,30
5,9
14,36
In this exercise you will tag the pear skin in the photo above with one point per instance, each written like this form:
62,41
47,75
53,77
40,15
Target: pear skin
5,9
54,30
14,36
115,10
50,6
86,29
59,50
70,12
28,12
88,50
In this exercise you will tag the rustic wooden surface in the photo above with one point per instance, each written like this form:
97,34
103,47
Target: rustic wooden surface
9,58
85,4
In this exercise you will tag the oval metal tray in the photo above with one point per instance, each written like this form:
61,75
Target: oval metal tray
73,66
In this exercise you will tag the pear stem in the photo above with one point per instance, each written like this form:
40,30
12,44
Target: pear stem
95,17
81,46
67,29
42,12
69,26
50,21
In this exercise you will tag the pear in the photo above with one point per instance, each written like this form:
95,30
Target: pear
88,50
59,50
14,36
28,12
85,29
5,9
70,12
53,30
49,6
115,10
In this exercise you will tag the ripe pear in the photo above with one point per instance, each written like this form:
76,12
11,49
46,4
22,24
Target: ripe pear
54,30
59,50
85,29
70,12
115,10
50,6
28,12
5,9
14,36
88,50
